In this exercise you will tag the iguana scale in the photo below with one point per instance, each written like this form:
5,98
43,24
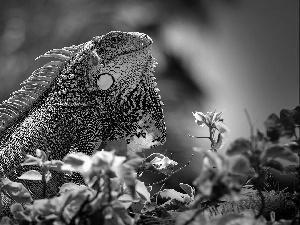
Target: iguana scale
98,91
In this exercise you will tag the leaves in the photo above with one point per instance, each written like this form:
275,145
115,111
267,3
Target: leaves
16,191
278,151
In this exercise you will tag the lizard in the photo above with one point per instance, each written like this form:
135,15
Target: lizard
99,91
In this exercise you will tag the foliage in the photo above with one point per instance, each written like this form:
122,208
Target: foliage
114,187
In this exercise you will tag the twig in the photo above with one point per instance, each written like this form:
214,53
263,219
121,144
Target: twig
166,178
197,137
251,127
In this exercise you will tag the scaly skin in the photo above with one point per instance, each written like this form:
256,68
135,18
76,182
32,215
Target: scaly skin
103,91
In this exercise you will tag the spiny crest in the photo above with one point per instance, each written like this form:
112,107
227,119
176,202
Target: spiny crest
150,72
34,87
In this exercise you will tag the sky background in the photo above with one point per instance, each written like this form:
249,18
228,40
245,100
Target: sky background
212,55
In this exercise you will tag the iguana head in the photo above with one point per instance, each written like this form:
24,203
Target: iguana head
120,76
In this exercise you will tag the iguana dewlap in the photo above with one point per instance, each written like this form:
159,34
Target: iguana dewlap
101,90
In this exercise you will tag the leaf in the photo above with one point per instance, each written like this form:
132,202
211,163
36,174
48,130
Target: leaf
239,146
200,118
31,160
278,151
149,206
16,191
45,207
6,221
57,165
275,165
160,163
273,127
142,190
127,173
294,169
41,154
259,135
120,211
78,162
188,189
240,164
75,159
294,146
76,198
18,212
67,187
223,135
105,160
48,176
187,215
172,194
31,175
290,118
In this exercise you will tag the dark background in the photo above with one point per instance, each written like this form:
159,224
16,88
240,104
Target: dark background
212,54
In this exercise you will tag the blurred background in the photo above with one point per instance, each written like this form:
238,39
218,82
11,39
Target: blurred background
212,54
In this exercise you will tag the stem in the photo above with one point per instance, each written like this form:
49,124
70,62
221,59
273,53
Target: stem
197,137
211,137
44,171
251,127
109,188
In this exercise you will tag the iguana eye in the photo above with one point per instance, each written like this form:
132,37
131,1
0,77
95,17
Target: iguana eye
105,81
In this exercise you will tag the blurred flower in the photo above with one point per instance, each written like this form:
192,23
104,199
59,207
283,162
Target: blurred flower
215,180
101,162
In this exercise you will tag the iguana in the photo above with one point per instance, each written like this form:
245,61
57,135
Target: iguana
98,91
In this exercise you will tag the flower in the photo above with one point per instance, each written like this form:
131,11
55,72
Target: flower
209,119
